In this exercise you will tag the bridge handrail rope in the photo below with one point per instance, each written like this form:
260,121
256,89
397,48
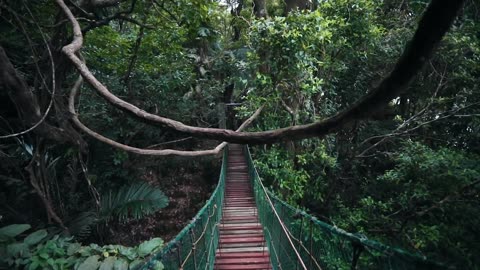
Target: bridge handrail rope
330,246
192,251
282,225
273,246
181,252
300,243
366,244
308,239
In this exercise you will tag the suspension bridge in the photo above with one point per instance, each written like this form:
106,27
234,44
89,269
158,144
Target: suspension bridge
245,226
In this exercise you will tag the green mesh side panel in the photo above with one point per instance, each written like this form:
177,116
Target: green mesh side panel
320,245
194,247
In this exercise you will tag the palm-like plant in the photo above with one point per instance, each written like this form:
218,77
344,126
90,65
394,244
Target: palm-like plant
133,201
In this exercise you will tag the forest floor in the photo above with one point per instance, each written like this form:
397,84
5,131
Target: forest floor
187,191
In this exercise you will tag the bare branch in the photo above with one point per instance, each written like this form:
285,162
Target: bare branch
99,3
40,192
119,15
142,151
448,114
138,42
287,108
170,14
448,198
397,131
435,22
169,142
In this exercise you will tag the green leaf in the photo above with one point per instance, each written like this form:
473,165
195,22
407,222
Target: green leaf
133,265
17,249
85,251
147,247
61,262
13,230
120,264
20,261
35,237
91,263
134,201
73,248
43,255
127,252
33,265
107,264
157,265
51,262
81,226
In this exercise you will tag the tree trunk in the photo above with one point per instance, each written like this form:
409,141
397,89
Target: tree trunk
260,8
28,107
291,5
236,13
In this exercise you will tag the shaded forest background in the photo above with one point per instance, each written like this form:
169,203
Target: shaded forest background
409,176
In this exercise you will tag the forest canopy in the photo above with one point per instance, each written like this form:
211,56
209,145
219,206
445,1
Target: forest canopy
364,113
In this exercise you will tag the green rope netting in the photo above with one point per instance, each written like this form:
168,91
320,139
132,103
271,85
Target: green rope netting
194,247
320,245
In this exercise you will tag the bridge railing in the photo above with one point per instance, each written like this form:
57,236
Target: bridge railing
309,243
282,249
194,247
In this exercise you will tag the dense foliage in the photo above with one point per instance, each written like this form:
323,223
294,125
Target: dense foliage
39,250
409,176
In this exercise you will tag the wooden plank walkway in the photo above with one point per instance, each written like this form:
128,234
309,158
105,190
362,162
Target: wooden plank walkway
242,244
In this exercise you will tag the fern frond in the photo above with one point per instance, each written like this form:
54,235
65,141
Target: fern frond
82,225
135,201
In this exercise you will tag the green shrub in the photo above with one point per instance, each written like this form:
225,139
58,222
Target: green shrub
39,250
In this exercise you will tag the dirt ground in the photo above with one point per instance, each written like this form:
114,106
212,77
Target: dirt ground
188,190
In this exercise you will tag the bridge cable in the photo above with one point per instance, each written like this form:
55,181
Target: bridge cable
284,228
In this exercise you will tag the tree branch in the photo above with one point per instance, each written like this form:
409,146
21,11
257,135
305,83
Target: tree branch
447,198
118,15
435,22
170,14
138,42
99,3
142,151
27,105
169,142
397,131
40,192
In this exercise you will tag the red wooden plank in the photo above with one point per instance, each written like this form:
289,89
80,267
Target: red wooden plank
245,260
242,254
263,266
249,227
229,218
240,214
241,236
241,240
